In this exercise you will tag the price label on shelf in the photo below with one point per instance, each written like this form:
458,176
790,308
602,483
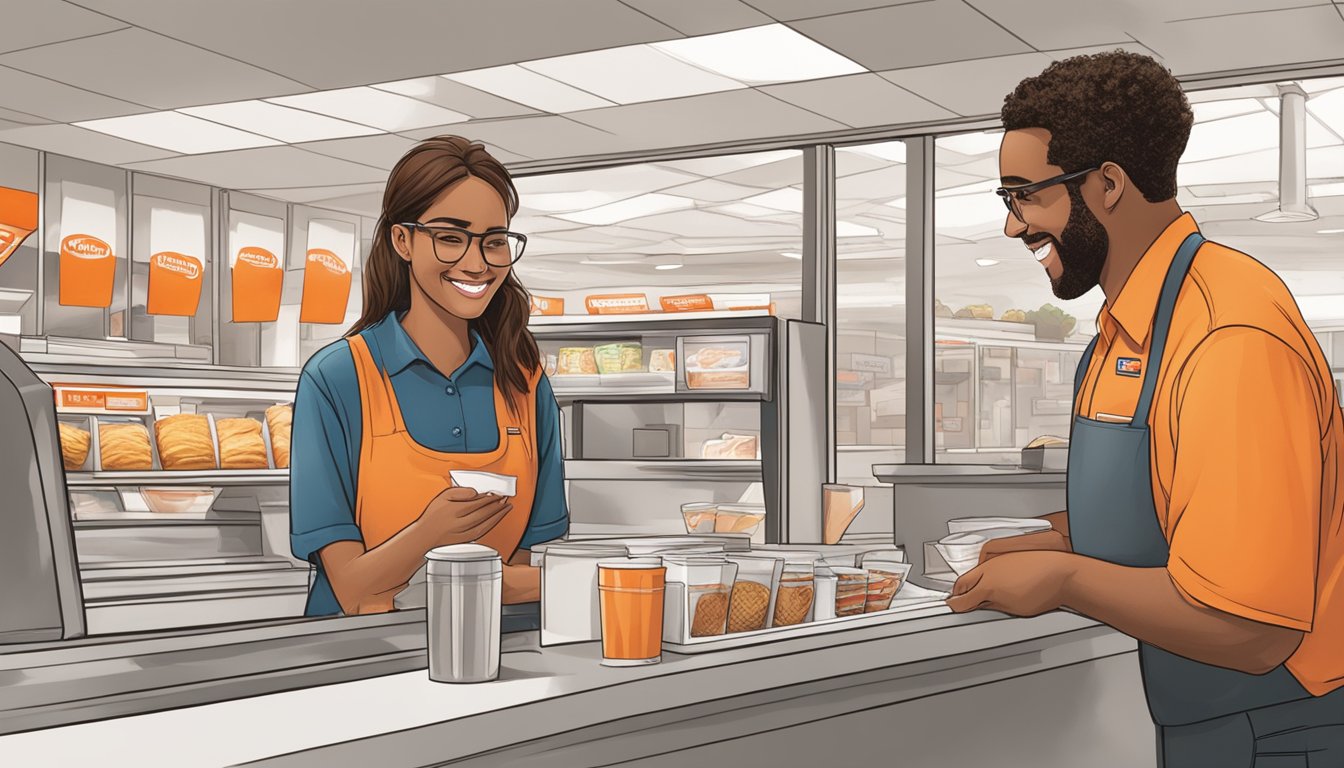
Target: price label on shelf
101,400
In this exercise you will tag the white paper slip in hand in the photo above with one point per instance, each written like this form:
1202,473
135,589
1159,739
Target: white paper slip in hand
485,482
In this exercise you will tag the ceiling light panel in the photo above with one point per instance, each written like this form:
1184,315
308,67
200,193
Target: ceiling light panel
634,208
177,132
761,55
370,106
972,144
277,122
631,75
526,87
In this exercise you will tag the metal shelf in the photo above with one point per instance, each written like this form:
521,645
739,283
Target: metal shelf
662,469
166,477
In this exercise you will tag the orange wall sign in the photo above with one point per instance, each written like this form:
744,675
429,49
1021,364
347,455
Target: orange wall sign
326,288
697,302
258,283
174,284
18,219
110,400
547,305
617,304
86,272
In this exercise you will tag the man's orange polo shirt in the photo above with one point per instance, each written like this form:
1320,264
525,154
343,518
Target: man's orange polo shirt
1247,442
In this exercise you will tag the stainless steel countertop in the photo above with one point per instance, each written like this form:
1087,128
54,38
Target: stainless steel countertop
964,474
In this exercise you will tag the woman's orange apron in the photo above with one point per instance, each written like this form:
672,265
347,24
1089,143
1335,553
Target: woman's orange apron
398,477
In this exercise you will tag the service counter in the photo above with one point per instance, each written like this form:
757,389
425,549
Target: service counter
982,688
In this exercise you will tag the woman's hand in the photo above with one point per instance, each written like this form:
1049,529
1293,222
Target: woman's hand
460,515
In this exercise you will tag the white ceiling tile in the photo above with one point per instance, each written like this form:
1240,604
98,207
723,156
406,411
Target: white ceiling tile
57,101
701,17
549,136
527,87
377,151
464,130
1249,40
882,184
370,106
707,224
780,173
457,97
6,124
1132,47
1051,24
281,123
52,21
859,101
970,87
84,144
264,167
146,68
22,118
715,117
632,74
912,35
790,10
340,43
367,204
619,183
309,194
710,167
178,132
1198,9
714,191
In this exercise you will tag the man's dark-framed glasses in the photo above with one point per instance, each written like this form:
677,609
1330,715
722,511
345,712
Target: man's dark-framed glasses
499,248
1012,196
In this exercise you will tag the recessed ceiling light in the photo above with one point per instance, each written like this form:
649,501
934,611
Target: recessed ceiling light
526,87
634,208
986,262
370,106
972,143
761,55
668,266
177,132
631,74
283,123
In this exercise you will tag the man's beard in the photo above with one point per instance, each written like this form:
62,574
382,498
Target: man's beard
1081,250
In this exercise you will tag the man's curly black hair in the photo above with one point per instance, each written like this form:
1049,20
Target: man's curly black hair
1118,107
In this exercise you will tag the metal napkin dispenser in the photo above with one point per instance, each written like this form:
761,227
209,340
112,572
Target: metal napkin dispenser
41,598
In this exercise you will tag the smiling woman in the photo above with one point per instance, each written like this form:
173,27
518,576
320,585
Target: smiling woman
439,374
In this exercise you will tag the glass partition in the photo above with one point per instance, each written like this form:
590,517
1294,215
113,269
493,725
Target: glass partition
19,196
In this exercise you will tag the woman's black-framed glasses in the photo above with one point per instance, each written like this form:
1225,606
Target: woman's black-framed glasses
499,248
1012,196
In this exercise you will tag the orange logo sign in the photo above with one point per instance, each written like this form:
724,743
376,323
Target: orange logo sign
698,302
258,257
327,259
86,273
186,266
6,238
617,304
174,284
546,305
85,247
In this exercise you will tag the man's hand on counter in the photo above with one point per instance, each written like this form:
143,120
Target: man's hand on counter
1016,583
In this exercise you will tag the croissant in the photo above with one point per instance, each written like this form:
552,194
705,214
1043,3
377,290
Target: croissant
279,419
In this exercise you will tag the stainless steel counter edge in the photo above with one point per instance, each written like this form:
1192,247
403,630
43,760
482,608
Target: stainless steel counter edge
963,474
431,722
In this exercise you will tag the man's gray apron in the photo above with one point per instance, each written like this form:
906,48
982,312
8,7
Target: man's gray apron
1112,517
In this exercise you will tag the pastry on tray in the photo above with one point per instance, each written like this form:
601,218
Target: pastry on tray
241,445
125,447
184,442
279,419
74,446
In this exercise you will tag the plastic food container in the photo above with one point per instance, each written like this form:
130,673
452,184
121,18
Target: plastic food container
569,602
699,516
752,601
796,593
974,524
178,500
851,591
485,482
699,605
576,360
739,518
662,361
718,365
885,579
824,603
961,550
621,357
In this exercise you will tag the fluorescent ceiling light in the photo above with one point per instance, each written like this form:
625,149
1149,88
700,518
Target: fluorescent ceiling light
634,208
1216,110
786,199
553,202
761,55
287,125
986,262
599,263
177,132
1326,190
668,266
791,255
972,143
631,74
850,229
887,150
526,87
1329,231
1231,137
370,106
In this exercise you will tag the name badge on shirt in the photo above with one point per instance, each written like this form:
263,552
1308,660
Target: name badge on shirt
1129,366
513,431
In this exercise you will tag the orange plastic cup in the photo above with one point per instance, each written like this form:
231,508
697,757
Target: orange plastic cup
630,594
